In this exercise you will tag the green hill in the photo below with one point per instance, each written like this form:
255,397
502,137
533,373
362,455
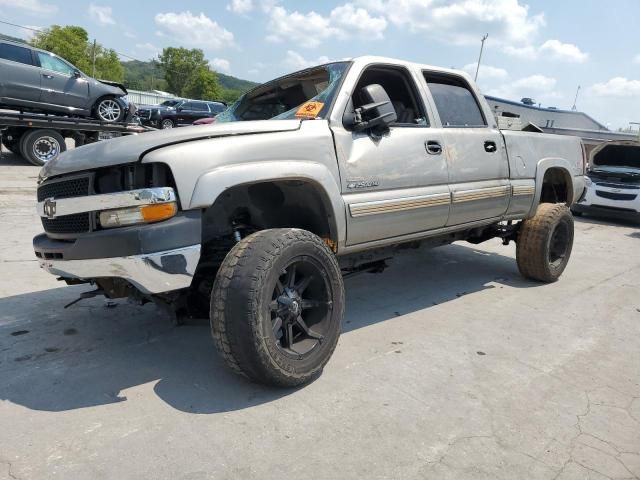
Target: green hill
148,76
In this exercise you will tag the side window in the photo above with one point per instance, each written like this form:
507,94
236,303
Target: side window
456,103
200,107
217,107
402,92
15,53
53,63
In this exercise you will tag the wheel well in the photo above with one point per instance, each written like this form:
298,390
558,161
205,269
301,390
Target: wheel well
272,204
99,99
556,186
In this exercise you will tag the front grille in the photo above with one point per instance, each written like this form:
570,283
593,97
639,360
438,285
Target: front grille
616,196
74,187
614,185
78,223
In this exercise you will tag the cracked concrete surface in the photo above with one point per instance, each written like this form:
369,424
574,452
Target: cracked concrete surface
450,366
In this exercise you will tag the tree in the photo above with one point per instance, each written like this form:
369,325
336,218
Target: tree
203,85
72,43
187,73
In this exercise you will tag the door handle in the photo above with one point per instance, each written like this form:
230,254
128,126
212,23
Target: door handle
490,146
47,76
433,147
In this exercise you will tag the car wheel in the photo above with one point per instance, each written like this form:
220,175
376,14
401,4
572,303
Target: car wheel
545,242
166,124
109,110
277,305
41,146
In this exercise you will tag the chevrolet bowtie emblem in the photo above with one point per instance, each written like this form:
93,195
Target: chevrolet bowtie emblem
49,208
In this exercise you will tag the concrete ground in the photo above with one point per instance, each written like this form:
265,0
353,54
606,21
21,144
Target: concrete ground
450,366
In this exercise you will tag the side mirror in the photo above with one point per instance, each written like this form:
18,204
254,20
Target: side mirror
77,74
377,113
179,109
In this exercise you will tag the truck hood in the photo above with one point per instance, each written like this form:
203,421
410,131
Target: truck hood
131,148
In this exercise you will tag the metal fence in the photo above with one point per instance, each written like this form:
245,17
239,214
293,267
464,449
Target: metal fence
148,98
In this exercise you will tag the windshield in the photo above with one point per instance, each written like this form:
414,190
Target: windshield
306,94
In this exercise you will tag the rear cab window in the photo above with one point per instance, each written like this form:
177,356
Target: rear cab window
15,53
456,103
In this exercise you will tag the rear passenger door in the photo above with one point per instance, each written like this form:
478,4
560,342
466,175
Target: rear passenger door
475,153
19,77
192,111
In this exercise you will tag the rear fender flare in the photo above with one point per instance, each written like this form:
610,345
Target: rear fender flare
542,167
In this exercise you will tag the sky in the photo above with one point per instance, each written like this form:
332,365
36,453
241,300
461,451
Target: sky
543,49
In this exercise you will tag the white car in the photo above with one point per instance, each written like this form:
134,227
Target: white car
612,184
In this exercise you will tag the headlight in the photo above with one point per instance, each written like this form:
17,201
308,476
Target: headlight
587,182
133,215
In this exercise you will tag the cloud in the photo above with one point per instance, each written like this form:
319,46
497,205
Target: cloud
220,65
31,6
636,59
462,22
310,29
240,7
486,72
146,50
551,50
616,87
101,15
296,61
563,51
538,86
194,30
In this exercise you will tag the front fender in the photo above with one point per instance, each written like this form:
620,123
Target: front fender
213,183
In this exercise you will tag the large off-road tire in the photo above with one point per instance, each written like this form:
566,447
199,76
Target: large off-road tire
41,146
277,306
544,243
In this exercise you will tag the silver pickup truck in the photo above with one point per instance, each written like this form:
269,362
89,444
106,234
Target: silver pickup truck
254,220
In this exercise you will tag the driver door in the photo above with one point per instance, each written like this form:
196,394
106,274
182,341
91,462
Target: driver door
60,85
392,185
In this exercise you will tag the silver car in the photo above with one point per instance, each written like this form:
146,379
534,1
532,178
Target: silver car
37,80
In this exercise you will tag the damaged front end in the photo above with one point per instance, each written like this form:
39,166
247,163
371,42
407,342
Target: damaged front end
613,180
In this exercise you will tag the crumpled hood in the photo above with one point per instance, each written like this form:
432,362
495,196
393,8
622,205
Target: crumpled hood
131,148
115,84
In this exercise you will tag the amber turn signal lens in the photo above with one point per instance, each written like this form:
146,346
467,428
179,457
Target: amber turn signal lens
157,212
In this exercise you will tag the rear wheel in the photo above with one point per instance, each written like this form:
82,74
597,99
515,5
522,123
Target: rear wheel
544,243
277,306
41,146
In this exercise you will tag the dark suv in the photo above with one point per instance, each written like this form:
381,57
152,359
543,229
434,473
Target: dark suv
37,80
172,113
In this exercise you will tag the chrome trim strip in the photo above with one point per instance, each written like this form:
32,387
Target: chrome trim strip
480,194
523,190
398,205
105,201
150,273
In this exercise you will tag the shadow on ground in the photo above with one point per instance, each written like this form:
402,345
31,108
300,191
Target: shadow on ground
53,359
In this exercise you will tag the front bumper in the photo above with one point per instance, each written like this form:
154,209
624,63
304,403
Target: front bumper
153,257
150,273
609,198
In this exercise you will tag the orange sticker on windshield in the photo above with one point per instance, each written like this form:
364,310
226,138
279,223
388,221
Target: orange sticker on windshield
309,109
